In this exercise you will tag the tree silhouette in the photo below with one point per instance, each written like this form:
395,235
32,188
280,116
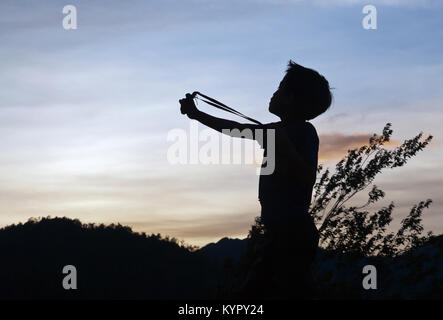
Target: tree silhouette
352,229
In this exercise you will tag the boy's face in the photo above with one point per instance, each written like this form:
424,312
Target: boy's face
281,101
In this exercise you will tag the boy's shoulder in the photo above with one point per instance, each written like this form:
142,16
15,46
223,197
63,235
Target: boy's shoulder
310,132
297,127
309,126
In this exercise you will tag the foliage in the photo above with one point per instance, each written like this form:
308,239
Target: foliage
352,229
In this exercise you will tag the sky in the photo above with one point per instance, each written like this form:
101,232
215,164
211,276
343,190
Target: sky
85,113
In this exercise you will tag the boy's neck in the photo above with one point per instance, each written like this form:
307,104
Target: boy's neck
291,121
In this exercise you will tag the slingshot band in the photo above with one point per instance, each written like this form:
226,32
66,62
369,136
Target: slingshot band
222,106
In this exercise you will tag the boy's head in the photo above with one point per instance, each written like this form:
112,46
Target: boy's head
303,94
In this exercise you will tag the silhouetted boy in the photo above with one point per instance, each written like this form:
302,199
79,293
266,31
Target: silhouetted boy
285,195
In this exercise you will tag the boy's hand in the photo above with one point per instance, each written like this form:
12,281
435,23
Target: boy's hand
188,106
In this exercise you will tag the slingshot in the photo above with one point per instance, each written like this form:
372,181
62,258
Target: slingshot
222,106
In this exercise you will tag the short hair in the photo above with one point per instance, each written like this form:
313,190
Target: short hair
310,89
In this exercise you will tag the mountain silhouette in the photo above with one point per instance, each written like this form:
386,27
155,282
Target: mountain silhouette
225,249
113,262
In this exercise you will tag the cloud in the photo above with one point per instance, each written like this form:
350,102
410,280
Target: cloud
336,145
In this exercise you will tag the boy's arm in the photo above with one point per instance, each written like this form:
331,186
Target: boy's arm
231,128
301,170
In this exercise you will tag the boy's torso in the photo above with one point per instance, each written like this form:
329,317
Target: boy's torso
280,196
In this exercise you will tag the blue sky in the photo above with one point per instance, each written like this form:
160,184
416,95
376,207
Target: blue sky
84,114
